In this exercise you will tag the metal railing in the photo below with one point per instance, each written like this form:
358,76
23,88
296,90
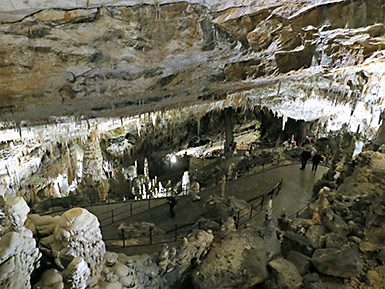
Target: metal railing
240,217
302,209
59,205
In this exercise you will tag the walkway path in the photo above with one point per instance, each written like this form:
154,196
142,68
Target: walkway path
295,193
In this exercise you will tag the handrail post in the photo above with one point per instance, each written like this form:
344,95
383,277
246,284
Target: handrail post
176,232
251,211
112,216
131,209
150,235
123,239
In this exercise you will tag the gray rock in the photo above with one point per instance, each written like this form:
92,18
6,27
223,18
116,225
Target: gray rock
295,241
315,236
301,261
334,222
286,273
334,240
240,260
310,278
339,263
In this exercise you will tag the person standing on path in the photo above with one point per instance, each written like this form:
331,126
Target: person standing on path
171,201
305,156
316,160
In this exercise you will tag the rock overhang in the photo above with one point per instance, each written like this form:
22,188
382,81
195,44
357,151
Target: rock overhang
122,58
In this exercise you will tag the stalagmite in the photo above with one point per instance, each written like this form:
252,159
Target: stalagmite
77,234
284,120
185,183
146,170
76,274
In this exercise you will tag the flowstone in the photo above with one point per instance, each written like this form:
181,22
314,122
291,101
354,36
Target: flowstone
77,234
18,251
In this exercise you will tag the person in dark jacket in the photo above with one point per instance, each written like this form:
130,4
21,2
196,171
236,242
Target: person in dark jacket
305,156
171,201
317,158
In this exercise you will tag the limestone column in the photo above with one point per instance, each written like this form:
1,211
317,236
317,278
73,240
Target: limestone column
92,167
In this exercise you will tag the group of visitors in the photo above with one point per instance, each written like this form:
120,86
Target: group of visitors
314,156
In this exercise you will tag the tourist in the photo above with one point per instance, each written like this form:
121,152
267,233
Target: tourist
305,156
171,201
316,160
235,148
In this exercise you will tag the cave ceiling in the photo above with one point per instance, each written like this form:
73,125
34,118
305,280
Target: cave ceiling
122,58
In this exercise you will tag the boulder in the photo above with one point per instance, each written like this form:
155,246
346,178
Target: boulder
338,262
175,264
296,241
333,222
286,274
376,277
334,240
301,261
315,235
240,260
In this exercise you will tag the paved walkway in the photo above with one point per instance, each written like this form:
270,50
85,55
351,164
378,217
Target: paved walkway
295,193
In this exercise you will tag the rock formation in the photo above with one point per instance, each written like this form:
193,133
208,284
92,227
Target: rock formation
18,251
76,234
124,59
240,259
339,233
